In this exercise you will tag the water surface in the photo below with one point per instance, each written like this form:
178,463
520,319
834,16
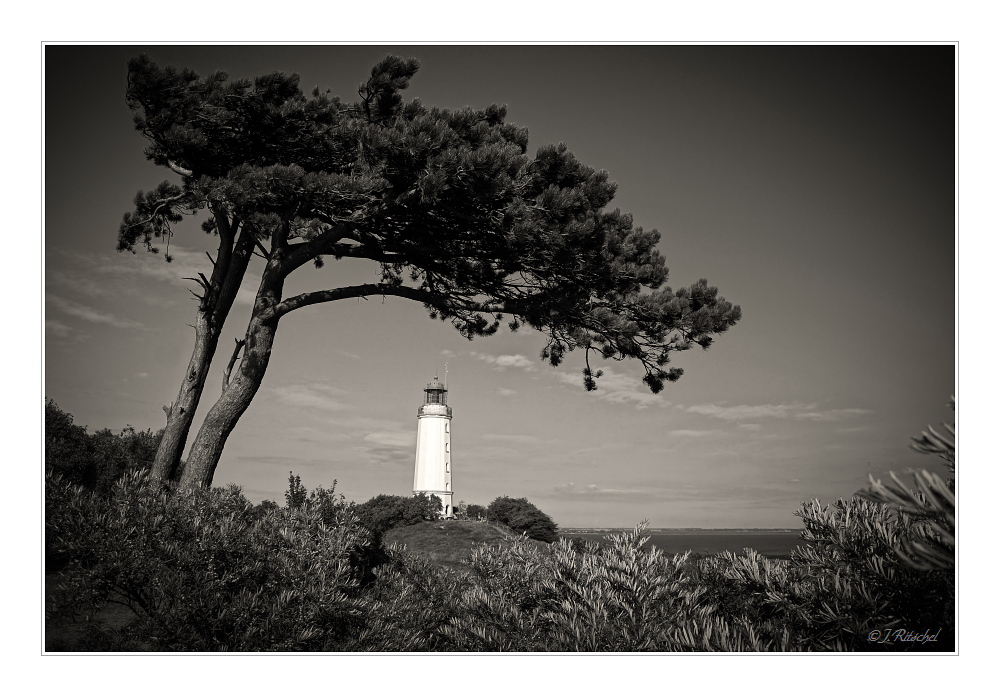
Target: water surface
770,544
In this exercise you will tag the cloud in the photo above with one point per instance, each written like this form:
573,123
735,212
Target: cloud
311,396
834,414
186,264
749,427
509,438
58,329
89,314
796,410
361,423
392,454
310,434
746,411
142,375
686,433
592,492
617,388
393,438
504,392
505,361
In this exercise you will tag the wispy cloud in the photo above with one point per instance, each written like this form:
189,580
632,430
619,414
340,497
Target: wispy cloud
592,492
89,314
311,434
833,414
617,388
511,438
393,438
504,392
749,411
185,265
749,427
688,433
361,423
58,329
796,410
503,362
311,396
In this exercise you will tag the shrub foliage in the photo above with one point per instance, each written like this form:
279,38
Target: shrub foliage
205,570
523,517
384,512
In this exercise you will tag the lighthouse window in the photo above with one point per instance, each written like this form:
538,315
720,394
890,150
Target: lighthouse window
447,447
446,428
447,467
434,397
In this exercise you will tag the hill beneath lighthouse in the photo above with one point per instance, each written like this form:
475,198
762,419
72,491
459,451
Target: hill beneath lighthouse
449,542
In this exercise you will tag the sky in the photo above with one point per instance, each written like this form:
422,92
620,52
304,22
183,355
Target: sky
813,185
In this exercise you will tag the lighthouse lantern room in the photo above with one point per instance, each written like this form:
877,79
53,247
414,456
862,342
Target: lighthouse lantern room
432,470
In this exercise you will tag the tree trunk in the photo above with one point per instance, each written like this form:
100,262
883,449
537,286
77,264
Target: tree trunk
217,301
236,398
225,413
181,413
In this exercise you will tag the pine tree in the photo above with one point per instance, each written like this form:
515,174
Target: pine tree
448,202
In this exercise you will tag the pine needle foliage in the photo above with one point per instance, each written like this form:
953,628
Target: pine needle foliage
448,202
931,501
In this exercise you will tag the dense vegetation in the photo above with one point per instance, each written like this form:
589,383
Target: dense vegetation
205,569
523,517
96,460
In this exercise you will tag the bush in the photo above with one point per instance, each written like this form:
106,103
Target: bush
67,447
384,512
94,461
204,570
475,512
523,517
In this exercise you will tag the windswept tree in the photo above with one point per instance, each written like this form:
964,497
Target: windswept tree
448,203
226,134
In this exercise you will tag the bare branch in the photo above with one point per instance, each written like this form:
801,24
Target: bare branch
200,281
232,361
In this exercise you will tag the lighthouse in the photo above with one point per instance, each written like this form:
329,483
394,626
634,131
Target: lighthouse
432,470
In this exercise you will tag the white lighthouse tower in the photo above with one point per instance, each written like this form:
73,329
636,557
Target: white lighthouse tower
432,471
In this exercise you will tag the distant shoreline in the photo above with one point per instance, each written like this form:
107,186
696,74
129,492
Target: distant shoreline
682,531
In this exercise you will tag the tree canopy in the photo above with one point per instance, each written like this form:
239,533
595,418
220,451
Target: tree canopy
385,511
520,515
448,202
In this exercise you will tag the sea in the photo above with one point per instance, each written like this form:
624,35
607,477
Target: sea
776,544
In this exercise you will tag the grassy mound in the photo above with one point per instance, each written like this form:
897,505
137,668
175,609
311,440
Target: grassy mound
448,542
